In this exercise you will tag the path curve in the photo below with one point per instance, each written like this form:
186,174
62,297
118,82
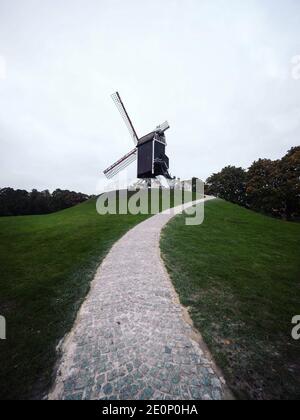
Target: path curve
132,338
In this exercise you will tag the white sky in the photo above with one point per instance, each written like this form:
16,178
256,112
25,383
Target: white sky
218,70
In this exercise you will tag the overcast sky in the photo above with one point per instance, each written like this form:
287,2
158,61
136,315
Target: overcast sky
218,70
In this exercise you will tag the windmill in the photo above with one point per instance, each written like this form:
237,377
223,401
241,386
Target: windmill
149,150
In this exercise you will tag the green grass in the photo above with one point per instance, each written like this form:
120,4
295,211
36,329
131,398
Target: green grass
238,273
47,264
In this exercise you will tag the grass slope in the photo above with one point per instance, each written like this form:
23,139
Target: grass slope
239,275
47,263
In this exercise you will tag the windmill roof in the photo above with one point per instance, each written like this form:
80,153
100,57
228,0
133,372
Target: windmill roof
146,138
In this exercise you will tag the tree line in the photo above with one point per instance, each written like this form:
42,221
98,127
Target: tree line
270,187
20,202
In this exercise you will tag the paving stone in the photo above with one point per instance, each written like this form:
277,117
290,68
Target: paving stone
175,379
144,369
100,379
216,394
216,383
129,367
69,385
147,393
129,392
107,389
112,375
74,397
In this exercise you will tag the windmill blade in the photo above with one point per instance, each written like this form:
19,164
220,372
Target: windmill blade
163,127
119,104
121,164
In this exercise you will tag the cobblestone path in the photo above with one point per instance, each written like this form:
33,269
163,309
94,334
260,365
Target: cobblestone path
132,339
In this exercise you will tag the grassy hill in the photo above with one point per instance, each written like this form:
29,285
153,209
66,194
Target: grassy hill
47,263
238,274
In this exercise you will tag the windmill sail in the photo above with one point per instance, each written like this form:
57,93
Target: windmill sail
121,164
119,104
163,127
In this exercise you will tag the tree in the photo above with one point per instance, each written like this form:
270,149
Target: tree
20,202
262,189
13,202
229,184
273,187
270,187
289,183
6,201
63,199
